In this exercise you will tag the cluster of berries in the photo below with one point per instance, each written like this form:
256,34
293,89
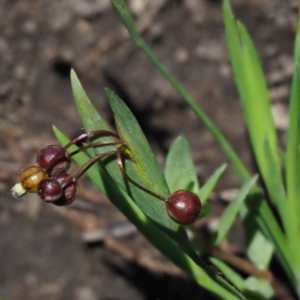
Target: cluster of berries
50,180
49,177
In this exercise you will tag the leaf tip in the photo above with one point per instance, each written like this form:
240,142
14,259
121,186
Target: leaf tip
107,91
73,74
55,129
227,8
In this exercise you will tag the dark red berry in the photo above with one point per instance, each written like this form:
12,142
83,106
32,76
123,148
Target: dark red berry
54,159
31,177
183,207
70,189
50,190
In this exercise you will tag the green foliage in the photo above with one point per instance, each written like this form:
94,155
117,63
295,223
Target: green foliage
145,212
271,222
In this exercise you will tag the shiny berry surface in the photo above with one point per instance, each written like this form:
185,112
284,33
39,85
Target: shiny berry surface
31,177
54,159
50,190
70,189
183,207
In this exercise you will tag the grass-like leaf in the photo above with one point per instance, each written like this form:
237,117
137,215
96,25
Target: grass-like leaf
254,98
252,287
231,212
142,166
276,188
235,278
180,170
253,93
293,164
259,289
210,184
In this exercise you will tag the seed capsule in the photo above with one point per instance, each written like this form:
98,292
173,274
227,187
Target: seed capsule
31,177
54,159
183,207
50,190
70,189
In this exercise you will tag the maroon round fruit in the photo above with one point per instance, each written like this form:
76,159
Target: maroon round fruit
50,190
31,177
183,207
69,186
54,159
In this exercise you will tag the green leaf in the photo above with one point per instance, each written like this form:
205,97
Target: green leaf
228,217
210,184
276,188
293,164
91,119
180,170
253,93
240,49
142,167
261,259
235,278
258,288
127,20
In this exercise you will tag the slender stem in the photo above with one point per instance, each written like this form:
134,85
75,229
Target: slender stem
114,141
93,132
121,166
83,168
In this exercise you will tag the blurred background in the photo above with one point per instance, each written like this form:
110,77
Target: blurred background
88,251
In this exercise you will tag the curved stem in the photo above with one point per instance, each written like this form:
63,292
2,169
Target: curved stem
121,166
114,141
82,169
93,132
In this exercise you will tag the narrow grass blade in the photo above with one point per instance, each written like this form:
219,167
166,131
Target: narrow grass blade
228,217
254,97
180,170
273,231
276,187
247,71
293,164
235,278
252,287
210,184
